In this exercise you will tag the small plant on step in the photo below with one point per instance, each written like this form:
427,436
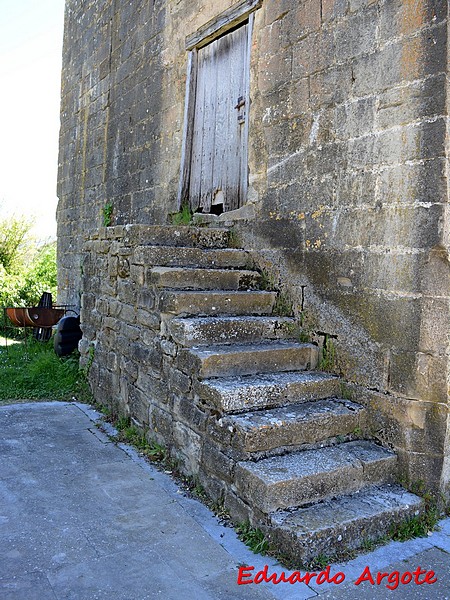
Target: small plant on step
419,525
183,216
319,562
234,240
267,281
252,537
296,331
283,306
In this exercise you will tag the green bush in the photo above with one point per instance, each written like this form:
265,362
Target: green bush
27,267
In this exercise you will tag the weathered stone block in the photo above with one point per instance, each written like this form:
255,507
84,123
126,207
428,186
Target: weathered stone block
137,274
189,412
408,103
354,119
291,426
261,391
329,87
161,424
151,320
216,303
169,348
356,35
238,360
311,54
396,19
333,9
129,367
189,444
145,299
128,313
419,182
154,389
138,404
295,479
214,461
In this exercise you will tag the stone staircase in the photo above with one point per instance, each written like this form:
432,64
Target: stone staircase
281,446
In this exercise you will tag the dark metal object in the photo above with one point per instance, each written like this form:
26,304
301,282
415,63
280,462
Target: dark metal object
43,334
67,336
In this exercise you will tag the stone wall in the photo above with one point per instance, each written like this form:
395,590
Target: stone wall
348,181
136,367
349,174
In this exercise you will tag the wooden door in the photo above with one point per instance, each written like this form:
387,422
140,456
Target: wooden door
218,165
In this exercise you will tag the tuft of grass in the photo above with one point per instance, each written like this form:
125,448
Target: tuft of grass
107,212
320,562
182,217
328,359
283,306
297,331
267,281
33,371
252,537
131,435
419,525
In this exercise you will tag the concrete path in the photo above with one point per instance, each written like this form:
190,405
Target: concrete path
82,518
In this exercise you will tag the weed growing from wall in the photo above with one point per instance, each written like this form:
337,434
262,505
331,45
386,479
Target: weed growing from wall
252,537
107,212
328,356
183,216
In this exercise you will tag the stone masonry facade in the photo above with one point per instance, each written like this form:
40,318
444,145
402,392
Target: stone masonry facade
347,211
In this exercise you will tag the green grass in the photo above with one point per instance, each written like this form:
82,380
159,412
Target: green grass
252,537
283,306
327,361
419,525
183,217
33,371
107,212
131,434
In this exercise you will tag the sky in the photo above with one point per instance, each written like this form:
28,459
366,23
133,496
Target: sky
31,35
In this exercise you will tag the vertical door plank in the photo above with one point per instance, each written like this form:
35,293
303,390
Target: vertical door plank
222,115
188,127
238,44
209,124
197,138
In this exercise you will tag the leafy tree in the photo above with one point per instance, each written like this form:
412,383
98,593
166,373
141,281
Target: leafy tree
13,242
27,267
40,276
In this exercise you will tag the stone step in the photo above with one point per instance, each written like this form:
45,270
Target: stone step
195,237
216,302
240,394
293,425
344,523
183,278
235,360
299,478
171,256
226,330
